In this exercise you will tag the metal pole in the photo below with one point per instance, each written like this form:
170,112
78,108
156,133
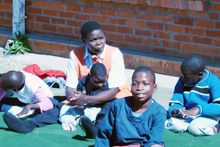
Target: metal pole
18,22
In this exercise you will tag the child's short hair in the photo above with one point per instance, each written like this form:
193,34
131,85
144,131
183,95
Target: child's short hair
89,27
194,63
12,79
98,69
145,69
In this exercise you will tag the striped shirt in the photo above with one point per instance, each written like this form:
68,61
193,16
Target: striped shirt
205,95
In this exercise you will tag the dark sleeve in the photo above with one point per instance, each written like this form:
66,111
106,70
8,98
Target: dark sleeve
157,128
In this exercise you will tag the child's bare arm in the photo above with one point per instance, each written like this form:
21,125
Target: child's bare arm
69,92
27,108
102,97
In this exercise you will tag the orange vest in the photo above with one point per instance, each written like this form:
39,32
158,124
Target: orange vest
83,71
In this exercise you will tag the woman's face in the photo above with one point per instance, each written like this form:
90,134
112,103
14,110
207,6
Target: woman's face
95,42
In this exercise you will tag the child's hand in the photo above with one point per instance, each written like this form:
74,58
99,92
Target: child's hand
25,111
178,113
78,100
190,112
71,97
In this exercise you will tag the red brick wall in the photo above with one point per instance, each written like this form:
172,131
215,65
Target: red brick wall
6,14
157,27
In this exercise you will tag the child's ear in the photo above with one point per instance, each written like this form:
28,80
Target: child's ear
155,88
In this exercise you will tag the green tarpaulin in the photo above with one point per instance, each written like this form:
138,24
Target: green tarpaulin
54,136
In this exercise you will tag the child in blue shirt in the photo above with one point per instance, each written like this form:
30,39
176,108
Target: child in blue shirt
93,84
137,120
194,106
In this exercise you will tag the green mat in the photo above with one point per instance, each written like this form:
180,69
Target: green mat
187,140
48,136
54,136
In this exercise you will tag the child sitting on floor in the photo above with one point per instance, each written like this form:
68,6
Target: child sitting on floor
30,91
137,120
93,84
194,106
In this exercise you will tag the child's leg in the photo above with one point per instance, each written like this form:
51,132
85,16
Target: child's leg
91,112
177,124
68,114
17,124
203,125
50,116
87,121
88,126
13,105
25,126
12,101
96,115
101,115
15,109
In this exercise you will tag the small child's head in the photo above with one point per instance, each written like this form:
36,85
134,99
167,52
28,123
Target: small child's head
12,80
93,36
192,69
98,76
143,84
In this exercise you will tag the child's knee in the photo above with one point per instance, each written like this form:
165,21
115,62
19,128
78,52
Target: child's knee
200,129
195,130
176,125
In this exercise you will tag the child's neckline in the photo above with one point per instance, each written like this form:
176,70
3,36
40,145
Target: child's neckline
138,114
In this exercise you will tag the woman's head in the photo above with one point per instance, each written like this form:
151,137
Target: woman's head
94,37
